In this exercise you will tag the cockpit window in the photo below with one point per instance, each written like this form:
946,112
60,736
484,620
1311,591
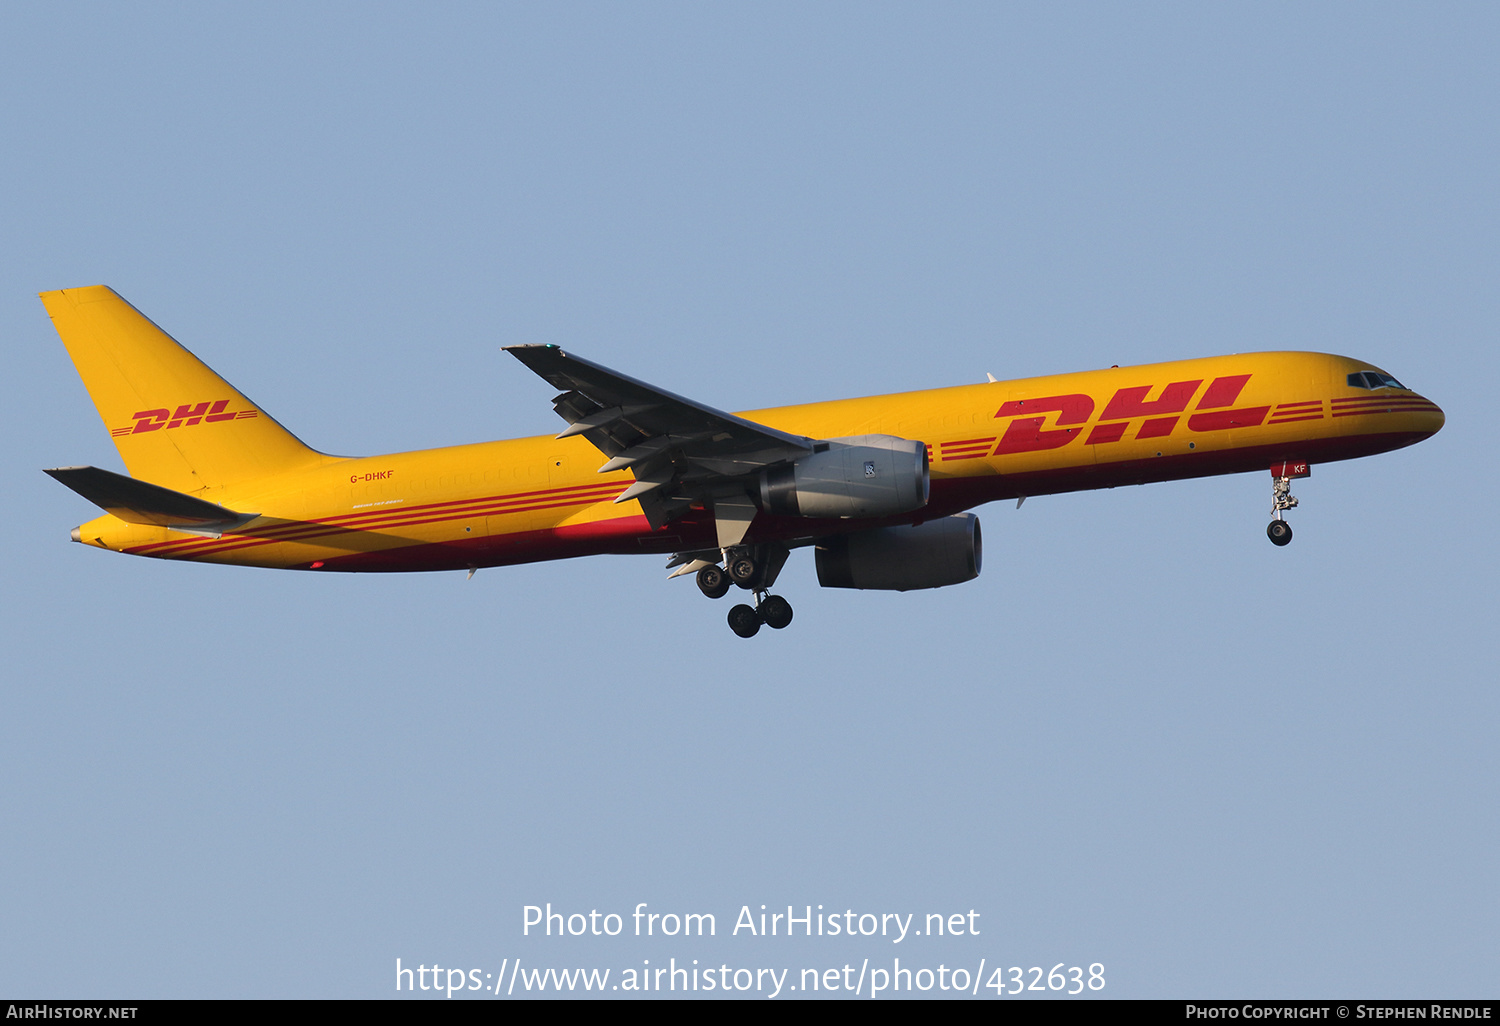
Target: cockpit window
1373,379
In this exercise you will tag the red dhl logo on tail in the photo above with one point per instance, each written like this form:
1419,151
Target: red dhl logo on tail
184,416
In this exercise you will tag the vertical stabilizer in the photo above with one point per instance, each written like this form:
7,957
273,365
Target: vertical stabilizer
175,422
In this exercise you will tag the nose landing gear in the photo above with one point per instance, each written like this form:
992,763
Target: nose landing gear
1282,499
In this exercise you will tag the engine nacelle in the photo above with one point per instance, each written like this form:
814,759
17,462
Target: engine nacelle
930,555
862,476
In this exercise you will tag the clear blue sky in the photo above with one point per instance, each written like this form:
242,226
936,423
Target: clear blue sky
1144,738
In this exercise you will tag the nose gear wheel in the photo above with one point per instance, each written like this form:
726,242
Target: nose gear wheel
1282,499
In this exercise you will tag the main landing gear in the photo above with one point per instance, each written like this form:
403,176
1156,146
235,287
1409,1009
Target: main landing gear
772,610
1282,499
754,571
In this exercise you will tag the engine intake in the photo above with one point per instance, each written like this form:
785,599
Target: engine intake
930,555
861,476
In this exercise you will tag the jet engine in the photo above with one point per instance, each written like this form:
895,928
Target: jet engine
934,554
861,476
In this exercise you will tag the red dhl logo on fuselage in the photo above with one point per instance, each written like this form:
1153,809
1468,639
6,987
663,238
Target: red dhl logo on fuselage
1214,412
1159,417
185,415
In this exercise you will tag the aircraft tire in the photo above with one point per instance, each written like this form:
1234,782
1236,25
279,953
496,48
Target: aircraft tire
743,571
1279,531
713,582
776,612
744,621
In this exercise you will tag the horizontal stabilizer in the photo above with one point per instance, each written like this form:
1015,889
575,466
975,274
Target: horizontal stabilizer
139,502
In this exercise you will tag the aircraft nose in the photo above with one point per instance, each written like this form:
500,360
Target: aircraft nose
1430,417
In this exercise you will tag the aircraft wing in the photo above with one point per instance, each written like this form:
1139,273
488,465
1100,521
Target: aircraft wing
681,452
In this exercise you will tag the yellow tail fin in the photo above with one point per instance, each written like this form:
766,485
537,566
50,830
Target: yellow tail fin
175,422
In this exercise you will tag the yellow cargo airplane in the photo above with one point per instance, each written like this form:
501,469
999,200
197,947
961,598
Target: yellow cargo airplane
878,486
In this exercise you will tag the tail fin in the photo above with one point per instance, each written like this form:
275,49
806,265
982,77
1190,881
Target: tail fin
175,422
